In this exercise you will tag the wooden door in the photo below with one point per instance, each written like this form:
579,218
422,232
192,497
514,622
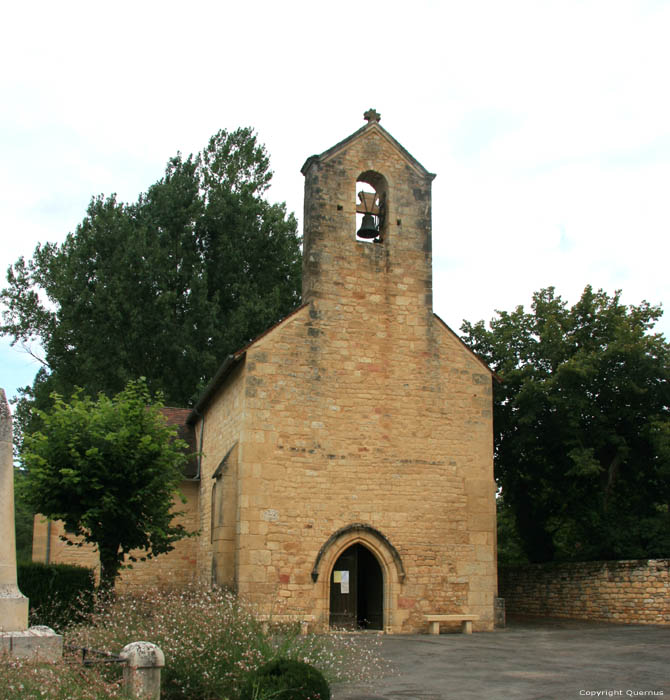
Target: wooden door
356,590
369,611
343,591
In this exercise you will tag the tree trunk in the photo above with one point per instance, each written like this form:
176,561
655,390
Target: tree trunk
109,565
538,543
611,478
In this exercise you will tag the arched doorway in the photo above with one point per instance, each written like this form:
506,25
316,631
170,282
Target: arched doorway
357,590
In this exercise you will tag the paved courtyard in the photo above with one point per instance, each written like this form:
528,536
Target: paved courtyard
529,659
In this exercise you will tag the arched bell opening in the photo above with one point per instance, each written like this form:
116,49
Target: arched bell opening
371,205
357,590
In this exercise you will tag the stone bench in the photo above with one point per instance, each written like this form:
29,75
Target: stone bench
466,620
304,620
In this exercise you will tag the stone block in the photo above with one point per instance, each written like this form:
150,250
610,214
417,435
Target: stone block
13,609
37,643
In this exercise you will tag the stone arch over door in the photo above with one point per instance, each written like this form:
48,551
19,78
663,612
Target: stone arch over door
386,555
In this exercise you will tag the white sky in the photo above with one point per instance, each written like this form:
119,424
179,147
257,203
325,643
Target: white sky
547,123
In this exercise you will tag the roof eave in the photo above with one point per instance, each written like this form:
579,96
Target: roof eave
468,348
333,150
228,366
217,380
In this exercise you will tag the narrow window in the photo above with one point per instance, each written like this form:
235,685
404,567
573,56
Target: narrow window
212,524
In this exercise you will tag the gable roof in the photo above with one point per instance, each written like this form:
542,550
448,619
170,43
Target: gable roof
468,348
367,130
228,365
232,361
179,418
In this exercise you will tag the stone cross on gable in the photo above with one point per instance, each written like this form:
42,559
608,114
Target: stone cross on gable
372,116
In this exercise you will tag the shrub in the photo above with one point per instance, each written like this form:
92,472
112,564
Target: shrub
212,641
213,645
22,679
286,679
59,594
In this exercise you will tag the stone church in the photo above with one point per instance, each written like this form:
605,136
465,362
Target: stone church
346,468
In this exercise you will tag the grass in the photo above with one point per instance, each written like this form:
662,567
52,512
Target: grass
211,641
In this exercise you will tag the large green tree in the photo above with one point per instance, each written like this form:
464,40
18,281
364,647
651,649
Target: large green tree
582,425
110,469
165,287
23,520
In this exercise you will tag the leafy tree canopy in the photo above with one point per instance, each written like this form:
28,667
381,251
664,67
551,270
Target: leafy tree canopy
582,425
110,469
163,288
23,520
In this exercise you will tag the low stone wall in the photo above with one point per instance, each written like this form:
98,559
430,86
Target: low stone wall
635,591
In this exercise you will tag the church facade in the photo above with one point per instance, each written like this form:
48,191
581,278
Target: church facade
346,468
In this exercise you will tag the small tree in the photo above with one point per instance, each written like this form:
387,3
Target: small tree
110,469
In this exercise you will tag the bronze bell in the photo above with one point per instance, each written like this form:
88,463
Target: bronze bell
368,227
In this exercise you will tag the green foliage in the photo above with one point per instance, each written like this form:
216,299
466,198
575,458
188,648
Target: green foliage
59,594
21,679
286,679
213,642
109,469
510,546
582,425
23,519
163,288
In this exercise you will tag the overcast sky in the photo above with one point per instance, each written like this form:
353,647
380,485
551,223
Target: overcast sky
547,124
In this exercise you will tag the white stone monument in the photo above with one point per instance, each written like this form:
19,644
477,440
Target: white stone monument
13,604
15,638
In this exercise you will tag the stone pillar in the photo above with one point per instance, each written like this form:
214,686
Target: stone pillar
37,643
142,670
13,604
499,611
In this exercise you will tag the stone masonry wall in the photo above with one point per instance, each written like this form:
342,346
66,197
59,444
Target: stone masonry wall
362,407
336,437
217,546
174,569
635,591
